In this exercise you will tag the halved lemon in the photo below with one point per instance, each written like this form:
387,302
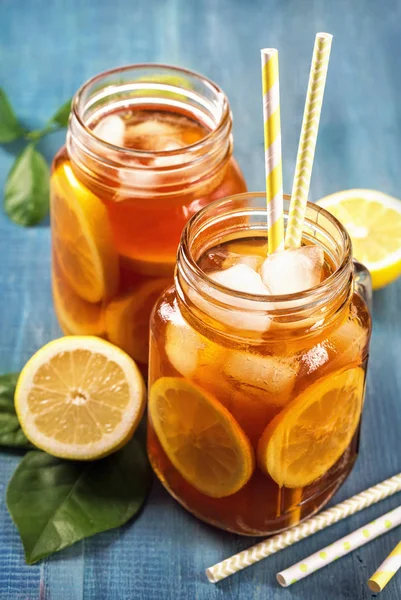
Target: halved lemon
82,237
308,437
79,397
373,221
75,316
127,318
200,437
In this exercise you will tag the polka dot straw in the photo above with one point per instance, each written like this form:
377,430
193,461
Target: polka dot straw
340,548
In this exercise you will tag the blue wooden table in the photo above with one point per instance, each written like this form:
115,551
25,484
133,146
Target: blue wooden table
47,49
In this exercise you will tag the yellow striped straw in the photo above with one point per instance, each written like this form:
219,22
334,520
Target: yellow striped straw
386,571
307,140
328,517
273,162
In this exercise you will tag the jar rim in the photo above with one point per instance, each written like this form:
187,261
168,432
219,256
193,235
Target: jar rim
220,127
310,295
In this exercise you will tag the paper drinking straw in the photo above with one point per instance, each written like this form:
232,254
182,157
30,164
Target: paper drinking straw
386,571
273,162
246,558
307,140
340,548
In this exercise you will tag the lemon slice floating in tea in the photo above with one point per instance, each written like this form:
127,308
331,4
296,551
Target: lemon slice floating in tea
373,221
127,318
79,397
308,437
76,316
200,437
82,238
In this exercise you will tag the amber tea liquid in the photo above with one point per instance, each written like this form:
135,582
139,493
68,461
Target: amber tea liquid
115,237
294,397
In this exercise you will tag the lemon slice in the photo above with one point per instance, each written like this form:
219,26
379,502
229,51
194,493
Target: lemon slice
127,318
79,398
75,316
200,437
308,437
82,237
373,221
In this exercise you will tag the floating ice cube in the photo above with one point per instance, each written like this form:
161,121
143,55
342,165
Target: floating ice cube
237,313
137,177
275,375
150,135
241,278
315,358
183,345
173,159
251,260
111,129
348,342
188,350
293,271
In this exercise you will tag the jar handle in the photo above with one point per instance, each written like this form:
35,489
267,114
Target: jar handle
363,283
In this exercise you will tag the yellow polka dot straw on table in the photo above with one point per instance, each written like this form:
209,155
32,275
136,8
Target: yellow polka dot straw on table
273,160
266,548
340,548
386,571
307,140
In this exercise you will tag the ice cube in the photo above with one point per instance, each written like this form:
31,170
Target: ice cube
275,375
111,129
315,358
237,313
293,271
241,278
150,134
188,350
137,177
171,160
251,260
348,343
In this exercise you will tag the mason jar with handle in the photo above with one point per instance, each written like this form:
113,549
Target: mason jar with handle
255,400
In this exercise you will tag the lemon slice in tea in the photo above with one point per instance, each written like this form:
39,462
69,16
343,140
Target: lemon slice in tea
200,437
82,237
308,437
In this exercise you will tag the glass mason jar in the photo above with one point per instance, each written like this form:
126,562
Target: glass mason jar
255,401
147,147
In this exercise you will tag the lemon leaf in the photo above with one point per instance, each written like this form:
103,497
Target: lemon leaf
55,503
11,434
10,129
61,116
26,197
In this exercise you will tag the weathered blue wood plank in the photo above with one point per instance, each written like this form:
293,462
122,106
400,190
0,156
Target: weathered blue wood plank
47,49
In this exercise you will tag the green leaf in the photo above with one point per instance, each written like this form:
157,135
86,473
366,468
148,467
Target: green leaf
10,129
11,433
26,197
54,503
61,117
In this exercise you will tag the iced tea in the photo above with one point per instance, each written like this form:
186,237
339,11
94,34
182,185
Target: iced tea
255,400
143,154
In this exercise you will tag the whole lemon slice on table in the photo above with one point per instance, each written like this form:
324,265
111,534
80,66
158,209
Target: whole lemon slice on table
308,437
82,237
373,221
79,397
200,437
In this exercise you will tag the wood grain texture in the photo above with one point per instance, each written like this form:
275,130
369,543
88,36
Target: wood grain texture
47,49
